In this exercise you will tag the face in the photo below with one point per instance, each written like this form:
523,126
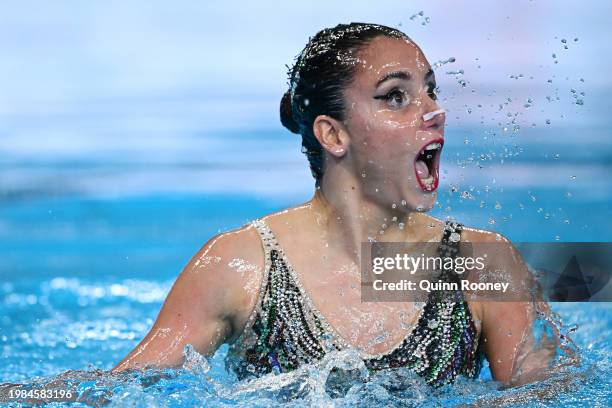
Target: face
394,150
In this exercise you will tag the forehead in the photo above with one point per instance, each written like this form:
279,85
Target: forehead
384,55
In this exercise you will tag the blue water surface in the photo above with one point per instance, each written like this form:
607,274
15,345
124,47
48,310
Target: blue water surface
85,268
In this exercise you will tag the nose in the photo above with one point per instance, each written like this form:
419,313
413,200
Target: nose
434,119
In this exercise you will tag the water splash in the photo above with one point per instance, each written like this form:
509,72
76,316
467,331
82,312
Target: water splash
420,16
441,63
339,379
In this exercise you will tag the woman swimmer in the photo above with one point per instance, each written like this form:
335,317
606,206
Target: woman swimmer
363,99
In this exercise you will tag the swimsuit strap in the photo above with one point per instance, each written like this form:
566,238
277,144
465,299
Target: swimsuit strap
449,244
267,237
449,248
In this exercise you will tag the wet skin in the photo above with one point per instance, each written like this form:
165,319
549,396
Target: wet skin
380,137
393,88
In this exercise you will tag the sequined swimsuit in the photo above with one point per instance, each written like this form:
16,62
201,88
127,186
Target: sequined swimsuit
285,330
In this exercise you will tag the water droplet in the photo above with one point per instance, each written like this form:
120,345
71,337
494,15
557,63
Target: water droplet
573,177
363,175
563,40
443,62
579,102
576,39
557,238
548,121
404,202
491,221
497,237
498,206
71,344
467,195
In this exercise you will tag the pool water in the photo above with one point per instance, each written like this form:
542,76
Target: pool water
85,265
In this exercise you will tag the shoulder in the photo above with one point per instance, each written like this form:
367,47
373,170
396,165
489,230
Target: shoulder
476,235
500,252
289,225
468,234
499,249
225,274
243,246
243,242
502,262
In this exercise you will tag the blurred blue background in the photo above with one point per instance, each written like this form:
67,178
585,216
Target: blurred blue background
130,133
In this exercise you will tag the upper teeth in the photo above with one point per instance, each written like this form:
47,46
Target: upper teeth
433,146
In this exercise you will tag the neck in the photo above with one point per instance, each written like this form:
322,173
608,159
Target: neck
348,217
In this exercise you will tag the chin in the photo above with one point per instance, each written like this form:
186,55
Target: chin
426,205
419,201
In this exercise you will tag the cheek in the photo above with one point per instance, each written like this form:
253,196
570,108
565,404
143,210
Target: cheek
391,133
405,120
381,137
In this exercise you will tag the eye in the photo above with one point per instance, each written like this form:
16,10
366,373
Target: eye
396,98
432,91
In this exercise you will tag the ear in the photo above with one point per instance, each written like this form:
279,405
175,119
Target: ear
331,134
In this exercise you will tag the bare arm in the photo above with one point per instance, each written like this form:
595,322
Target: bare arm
207,305
519,344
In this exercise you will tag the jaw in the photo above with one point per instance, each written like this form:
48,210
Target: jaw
417,201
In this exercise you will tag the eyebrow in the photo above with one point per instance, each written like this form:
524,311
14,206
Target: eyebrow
395,74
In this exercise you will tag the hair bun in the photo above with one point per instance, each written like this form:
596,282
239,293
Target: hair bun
286,114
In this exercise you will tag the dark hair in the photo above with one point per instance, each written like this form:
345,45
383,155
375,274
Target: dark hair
321,73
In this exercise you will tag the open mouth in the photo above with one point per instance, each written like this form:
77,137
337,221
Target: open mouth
426,165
